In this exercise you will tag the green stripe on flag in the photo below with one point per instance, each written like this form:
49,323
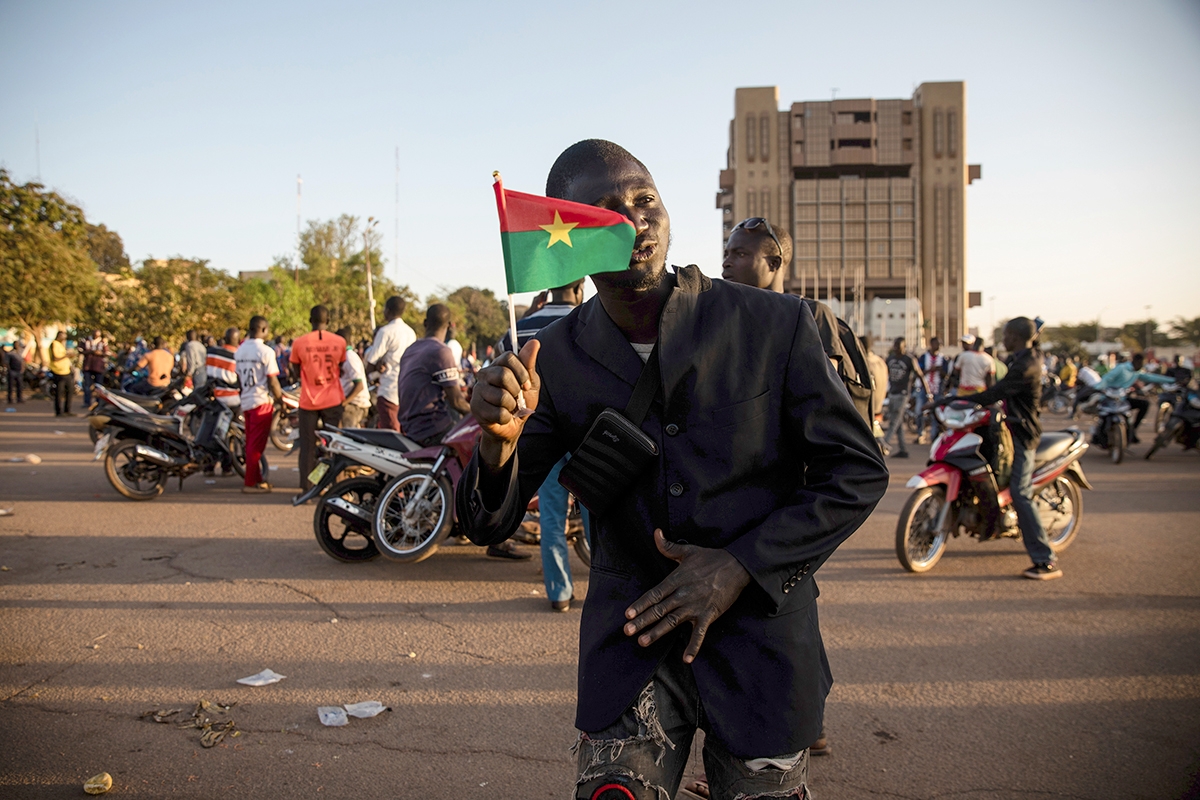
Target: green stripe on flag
532,266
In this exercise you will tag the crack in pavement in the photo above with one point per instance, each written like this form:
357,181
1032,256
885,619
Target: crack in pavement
40,681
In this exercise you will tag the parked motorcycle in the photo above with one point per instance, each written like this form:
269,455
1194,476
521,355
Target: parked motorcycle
168,400
285,424
141,451
1114,420
346,509
1183,425
959,491
1168,396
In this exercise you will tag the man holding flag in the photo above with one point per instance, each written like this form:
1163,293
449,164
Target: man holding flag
760,467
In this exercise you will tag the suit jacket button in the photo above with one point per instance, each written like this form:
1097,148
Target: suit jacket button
786,588
672,429
676,489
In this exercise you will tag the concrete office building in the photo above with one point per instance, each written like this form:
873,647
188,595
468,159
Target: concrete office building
874,194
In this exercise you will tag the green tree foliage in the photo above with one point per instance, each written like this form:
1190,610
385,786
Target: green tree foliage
334,255
1068,339
1134,335
166,297
480,317
107,249
283,300
46,272
1186,330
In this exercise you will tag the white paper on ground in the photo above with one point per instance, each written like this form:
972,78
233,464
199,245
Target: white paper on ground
365,710
263,678
332,716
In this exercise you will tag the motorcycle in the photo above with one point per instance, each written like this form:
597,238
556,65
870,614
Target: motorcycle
141,451
285,424
1114,420
168,400
959,492
346,509
1183,425
1168,396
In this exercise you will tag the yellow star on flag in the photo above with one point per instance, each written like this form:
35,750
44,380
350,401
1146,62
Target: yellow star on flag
559,231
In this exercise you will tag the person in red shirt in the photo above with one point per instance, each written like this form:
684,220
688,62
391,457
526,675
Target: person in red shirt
319,356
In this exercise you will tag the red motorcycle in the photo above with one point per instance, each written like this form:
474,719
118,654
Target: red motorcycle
960,491
415,512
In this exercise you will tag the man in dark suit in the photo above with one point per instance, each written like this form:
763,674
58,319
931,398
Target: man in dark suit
763,468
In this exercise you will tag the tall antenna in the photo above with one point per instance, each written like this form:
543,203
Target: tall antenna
299,192
37,148
396,235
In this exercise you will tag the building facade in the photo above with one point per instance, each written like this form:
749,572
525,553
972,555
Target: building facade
873,193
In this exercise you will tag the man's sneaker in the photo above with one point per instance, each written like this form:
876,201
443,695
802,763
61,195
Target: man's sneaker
1043,572
262,488
561,606
820,747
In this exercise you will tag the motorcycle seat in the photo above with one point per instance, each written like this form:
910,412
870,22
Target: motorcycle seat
1053,444
382,438
152,400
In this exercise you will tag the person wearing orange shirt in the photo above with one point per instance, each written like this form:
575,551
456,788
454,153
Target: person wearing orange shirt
158,364
318,356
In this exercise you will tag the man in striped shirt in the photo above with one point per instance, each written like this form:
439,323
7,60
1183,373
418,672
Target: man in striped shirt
221,369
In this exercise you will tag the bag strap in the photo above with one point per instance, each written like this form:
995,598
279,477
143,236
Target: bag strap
645,389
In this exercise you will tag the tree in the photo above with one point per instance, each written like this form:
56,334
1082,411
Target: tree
1134,335
282,300
46,273
1186,330
106,249
480,316
335,267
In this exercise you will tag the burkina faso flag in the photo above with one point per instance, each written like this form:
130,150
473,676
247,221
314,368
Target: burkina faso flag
550,243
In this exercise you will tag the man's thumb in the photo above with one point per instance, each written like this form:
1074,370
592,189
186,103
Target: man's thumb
669,549
528,356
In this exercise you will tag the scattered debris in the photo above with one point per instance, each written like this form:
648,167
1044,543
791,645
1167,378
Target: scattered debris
333,620
6,512
332,716
412,655
161,716
10,411
366,709
60,433
31,459
5,569
212,730
98,784
267,676
211,482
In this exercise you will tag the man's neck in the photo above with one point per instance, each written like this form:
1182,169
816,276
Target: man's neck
439,334
636,312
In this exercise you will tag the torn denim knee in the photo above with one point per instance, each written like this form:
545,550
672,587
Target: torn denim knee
629,756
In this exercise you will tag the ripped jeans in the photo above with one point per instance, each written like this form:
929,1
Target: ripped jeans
645,752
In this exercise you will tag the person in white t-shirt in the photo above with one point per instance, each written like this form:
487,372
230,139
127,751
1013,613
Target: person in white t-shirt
391,340
258,374
975,370
357,404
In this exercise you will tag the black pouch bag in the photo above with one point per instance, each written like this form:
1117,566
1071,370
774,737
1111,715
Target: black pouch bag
615,451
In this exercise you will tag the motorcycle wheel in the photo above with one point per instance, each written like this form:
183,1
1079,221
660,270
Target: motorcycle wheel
577,534
281,430
415,539
237,454
94,434
918,546
1162,417
1116,440
1060,404
344,539
131,476
1165,437
1060,506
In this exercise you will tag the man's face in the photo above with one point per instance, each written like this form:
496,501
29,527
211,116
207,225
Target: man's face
934,345
62,336
1012,339
902,347
629,190
750,259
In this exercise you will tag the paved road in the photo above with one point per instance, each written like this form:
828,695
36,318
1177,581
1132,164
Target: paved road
967,682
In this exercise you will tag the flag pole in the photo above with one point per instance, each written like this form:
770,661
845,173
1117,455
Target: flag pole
522,410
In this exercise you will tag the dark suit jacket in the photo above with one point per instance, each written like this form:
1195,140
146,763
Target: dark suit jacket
761,453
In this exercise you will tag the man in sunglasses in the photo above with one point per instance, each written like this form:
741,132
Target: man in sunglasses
700,611
758,254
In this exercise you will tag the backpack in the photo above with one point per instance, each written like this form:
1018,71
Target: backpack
843,347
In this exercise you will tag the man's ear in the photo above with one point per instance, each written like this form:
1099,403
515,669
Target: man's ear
774,262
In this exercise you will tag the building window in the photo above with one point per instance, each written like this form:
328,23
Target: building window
751,139
906,145
906,118
854,143
765,210
952,132
751,197
939,133
764,137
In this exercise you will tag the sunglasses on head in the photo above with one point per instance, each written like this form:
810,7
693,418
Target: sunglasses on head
754,223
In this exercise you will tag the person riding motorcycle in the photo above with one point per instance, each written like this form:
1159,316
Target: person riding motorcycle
1124,376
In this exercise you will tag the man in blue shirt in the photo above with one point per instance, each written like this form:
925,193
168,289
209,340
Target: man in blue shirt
1126,374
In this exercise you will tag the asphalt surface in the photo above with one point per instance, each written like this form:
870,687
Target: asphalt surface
966,682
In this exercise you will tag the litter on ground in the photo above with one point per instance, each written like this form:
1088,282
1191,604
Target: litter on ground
267,676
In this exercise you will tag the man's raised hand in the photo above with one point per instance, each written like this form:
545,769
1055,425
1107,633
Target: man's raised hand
494,402
703,587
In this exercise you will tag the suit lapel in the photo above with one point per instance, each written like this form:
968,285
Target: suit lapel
600,338
679,327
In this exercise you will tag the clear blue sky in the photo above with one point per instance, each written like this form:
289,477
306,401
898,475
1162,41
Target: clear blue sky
183,127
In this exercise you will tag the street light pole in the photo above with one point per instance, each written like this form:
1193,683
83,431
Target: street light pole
1146,346
371,223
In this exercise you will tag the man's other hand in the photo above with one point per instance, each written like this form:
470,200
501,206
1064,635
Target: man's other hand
494,402
702,588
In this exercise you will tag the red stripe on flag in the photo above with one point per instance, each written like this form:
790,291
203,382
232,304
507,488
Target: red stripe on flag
529,212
